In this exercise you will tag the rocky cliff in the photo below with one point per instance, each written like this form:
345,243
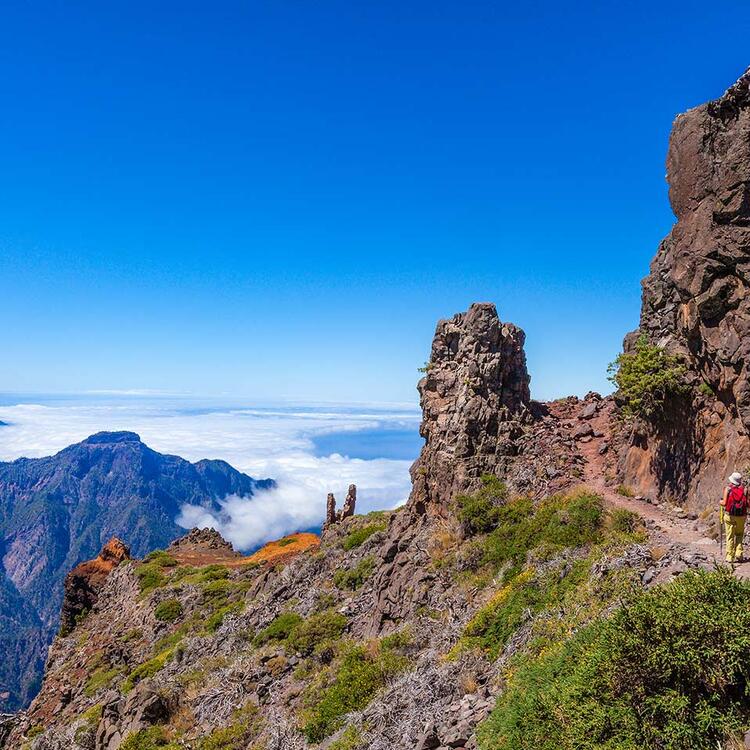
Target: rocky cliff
57,511
696,304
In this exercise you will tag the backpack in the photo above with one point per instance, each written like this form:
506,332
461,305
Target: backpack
736,504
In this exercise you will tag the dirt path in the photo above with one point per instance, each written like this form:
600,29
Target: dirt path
690,533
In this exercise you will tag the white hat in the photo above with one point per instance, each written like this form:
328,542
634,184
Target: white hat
735,479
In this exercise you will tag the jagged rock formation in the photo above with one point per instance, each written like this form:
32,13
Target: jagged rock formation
350,503
696,304
58,511
83,583
475,401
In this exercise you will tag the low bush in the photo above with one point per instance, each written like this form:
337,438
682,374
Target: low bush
555,524
315,630
237,735
150,577
645,378
360,672
625,521
481,512
216,619
352,578
625,491
279,629
670,670
153,738
360,536
100,679
351,739
168,611
148,668
161,558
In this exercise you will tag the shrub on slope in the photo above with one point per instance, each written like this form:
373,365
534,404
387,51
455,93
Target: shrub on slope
668,671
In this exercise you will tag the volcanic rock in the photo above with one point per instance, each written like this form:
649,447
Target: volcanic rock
83,583
696,305
475,399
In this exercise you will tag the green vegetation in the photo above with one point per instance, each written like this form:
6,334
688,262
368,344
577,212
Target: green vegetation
279,629
360,536
518,527
153,738
316,630
34,731
646,378
99,679
168,611
215,620
356,676
481,512
286,541
352,578
625,521
706,390
237,735
625,491
150,577
351,739
148,668
669,670
161,558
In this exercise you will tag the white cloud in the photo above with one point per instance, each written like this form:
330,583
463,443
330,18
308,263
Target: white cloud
275,443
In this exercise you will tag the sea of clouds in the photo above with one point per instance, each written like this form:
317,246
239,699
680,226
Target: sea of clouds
276,442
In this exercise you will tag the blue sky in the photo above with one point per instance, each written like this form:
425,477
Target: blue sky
279,199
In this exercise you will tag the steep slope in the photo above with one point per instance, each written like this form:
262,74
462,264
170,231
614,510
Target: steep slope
696,305
58,511
395,633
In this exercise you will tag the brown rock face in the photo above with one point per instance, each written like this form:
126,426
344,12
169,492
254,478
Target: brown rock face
475,399
83,583
696,303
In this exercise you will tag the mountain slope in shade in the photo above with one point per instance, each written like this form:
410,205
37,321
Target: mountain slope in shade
58,511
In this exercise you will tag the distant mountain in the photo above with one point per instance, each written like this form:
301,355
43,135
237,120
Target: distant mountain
57,511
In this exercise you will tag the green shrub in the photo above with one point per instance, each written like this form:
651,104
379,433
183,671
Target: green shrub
352,578
315,630
34,731
168,611
286,541
625,491
100,679
148,669
625,521
213,573
214,622
351,739
556,523
237,735
153,738
668,671
150,577
494,624
646,378
481,512
279,629
360,536
161,558
361,672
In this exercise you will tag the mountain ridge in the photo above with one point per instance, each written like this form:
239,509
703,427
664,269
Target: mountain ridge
57,511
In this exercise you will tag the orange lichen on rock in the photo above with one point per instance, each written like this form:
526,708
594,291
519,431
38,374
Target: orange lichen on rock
288,546
83,583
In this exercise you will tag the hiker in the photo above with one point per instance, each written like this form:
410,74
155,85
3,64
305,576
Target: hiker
733,515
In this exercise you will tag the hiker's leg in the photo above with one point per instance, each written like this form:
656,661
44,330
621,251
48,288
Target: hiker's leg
739,532
731,540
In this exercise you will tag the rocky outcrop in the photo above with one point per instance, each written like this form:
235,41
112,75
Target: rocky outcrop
347,511
83,583
696,304
475,401
123,715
